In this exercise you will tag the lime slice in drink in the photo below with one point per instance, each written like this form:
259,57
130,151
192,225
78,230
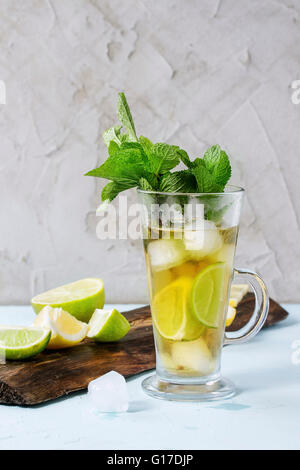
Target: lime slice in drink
80,298
108,325
171,311
208,294
17,342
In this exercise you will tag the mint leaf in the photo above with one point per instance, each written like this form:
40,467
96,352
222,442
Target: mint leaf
211,157
136,146
215,207
217,162
111,190
180,181
125,138
146,145
196,162
205,180
215,215
185,158
132,145
222,171
139,162
163,157
125,167
113,147
145,185
112,134
125,116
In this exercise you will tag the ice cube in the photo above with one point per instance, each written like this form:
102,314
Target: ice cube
225,254
193,356
109,393
201,239
165,254
166,361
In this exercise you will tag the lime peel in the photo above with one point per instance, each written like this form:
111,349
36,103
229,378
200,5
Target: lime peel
20,342
207,294
108,326
79,298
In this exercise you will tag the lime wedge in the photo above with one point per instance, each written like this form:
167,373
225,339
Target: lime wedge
207,294
108,325
171,311
17,342
80,298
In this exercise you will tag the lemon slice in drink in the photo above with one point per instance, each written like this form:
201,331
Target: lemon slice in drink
80,298
17,342
231,313
108,325
66,330
208,294
171,311
237,292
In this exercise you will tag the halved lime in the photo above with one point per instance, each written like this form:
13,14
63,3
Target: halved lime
80,298
207,294
108,325
171,311
17,342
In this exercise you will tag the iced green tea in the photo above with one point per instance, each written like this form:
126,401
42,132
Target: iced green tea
189,272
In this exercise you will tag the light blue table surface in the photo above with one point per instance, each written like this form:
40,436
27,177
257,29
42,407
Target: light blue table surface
264,414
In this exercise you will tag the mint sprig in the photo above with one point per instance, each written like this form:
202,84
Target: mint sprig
178,182
217,163
137,162
125,117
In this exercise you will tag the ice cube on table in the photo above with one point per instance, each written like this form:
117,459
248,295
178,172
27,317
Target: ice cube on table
165,254
202,239
109,393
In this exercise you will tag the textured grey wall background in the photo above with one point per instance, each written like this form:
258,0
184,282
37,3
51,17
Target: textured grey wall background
196,72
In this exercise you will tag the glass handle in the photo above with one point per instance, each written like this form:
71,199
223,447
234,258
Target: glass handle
260,312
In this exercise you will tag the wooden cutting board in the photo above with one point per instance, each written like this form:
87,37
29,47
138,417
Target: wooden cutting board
53,374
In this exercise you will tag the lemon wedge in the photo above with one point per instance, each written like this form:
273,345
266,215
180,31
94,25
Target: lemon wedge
231,313
237,292
171,312
66,331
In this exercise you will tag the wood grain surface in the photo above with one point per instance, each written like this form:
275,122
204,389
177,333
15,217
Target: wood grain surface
53,374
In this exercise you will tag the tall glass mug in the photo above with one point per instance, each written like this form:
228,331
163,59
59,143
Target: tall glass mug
190,242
